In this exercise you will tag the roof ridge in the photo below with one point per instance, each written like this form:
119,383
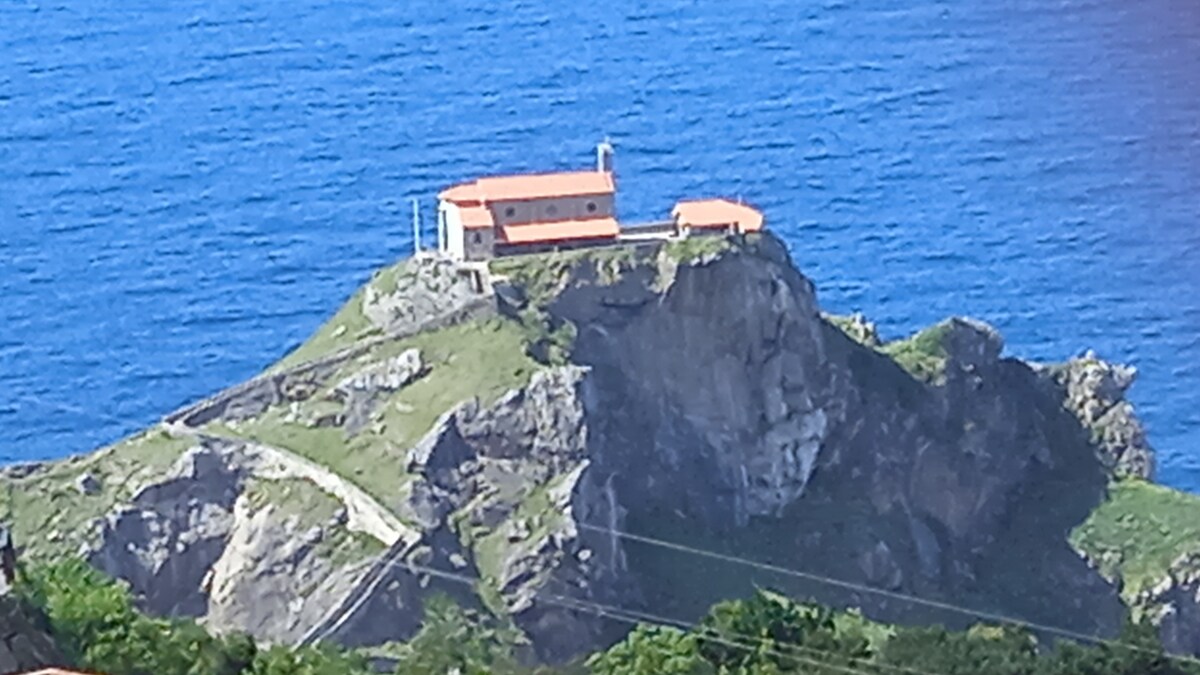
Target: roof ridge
532,186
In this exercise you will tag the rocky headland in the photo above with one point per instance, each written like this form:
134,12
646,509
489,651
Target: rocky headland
543,435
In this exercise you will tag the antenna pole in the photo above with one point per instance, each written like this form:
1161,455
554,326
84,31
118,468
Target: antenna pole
416,209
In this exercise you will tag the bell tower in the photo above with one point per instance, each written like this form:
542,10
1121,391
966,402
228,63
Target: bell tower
604,157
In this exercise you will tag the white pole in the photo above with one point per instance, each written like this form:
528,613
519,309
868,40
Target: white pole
441,229
416,205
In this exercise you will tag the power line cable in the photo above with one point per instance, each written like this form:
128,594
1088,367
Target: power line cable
631,617
646,617
640,616
895,595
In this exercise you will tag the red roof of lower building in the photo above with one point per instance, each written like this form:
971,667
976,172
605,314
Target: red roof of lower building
563,230
702,213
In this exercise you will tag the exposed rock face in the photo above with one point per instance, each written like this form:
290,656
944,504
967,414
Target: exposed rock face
712,373
703,400
87,484
428,290
164,542
494,496
193,545
362,390
255,396
1176,605
25,642
498,494
269,582
388,376
726,399
1095,392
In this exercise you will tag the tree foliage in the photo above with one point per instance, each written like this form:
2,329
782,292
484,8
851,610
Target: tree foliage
1137,651
95,621
652,650
456,640
97,624
318,660
984,650
769,633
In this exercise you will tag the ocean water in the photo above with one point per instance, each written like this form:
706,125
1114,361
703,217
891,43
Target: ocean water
188,189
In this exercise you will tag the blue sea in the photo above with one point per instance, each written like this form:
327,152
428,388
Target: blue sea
187,189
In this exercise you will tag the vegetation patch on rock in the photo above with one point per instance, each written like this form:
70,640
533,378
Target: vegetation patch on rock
922,354
481,359
50,507
695,249
310,505
542,276
1138,532
345,328
856,327
525,530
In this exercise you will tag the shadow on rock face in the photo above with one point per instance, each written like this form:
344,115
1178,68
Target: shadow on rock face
736,420
171,533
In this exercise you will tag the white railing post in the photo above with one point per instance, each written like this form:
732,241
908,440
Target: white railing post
441,229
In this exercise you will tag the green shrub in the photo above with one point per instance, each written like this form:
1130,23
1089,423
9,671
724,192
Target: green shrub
95,622
923,354
692,249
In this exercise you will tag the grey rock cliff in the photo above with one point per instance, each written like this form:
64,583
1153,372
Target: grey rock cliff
498,494
1095,392
693,396
727,406
193,544
25,642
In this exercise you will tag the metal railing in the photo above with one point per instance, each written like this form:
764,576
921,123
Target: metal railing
655,227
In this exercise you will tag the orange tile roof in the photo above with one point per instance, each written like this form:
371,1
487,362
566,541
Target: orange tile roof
461,194
476,217
531,186
563,230
717,213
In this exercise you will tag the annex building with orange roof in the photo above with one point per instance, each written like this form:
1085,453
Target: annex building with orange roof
507,215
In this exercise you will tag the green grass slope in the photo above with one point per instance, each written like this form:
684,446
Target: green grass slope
1138,532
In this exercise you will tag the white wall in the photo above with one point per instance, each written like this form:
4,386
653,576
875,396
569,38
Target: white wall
454,230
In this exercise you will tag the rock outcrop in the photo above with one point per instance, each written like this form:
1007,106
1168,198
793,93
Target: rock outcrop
1095,392
497,493
25,642
1175,603
198,543
726,400
572,431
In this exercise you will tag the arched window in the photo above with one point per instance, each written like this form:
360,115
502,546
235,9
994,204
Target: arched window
591,207
510,212
551,210
476,239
